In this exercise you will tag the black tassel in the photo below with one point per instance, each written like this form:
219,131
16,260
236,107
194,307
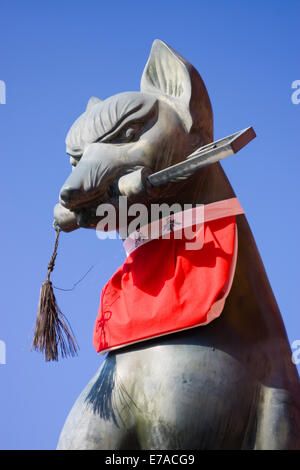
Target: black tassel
51,330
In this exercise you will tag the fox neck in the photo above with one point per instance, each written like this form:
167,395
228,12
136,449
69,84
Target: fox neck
209,185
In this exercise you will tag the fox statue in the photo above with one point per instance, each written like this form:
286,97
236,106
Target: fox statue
228,383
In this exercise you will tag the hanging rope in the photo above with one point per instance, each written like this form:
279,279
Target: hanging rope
51,330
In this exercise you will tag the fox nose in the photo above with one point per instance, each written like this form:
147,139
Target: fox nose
68,195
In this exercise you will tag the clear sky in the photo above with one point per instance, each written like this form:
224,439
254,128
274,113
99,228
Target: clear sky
54,55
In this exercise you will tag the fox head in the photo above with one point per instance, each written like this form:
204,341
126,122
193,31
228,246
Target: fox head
157,127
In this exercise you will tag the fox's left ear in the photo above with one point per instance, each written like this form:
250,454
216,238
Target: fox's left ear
92,101
168,74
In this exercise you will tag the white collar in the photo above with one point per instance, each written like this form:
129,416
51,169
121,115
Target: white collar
173,223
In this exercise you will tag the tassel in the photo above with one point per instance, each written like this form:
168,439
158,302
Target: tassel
51,330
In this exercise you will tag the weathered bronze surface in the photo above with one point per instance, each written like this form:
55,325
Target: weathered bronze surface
228,385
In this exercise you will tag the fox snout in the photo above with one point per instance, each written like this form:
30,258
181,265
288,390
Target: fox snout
91,177
67,195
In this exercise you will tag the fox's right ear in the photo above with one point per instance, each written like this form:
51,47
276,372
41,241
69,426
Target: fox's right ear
169,75
92,101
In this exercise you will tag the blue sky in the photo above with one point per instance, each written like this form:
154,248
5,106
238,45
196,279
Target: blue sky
53,57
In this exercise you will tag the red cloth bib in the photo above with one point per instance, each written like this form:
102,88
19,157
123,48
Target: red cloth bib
162,287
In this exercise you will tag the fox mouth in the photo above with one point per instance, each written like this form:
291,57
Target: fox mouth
85,205
86,212
87,218
81,199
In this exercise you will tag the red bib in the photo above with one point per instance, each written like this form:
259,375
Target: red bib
164,287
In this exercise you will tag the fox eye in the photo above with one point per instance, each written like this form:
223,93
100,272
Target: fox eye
124,135
130,133
127,134
74,160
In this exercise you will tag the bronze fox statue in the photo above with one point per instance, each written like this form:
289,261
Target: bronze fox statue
228,385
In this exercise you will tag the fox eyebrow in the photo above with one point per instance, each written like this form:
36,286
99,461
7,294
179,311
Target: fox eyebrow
104,118
133,118
74,152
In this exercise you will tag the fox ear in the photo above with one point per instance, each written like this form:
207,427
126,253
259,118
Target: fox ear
171,76
92,101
